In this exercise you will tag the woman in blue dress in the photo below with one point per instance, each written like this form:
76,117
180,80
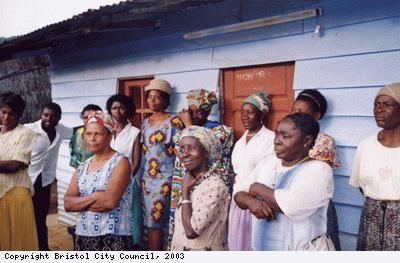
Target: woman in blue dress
158,151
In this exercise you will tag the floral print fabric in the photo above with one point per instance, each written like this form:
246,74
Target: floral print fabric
324,150
158,151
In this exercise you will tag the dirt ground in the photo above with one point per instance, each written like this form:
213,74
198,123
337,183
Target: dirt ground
59,239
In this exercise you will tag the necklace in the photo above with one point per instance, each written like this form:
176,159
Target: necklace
299,162
251,134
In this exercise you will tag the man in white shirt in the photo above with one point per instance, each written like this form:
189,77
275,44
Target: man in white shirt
43,165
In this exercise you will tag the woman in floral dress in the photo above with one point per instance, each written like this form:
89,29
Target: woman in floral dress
159,157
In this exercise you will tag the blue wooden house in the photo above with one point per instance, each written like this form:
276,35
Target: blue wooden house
347,49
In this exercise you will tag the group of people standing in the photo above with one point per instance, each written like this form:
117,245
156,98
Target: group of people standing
181,183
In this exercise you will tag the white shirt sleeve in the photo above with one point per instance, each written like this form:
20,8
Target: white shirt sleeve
309,191
355,172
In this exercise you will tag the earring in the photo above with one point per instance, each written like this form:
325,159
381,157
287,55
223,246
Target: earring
305,145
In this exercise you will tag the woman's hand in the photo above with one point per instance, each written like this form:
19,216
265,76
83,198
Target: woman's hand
188,182
254,189
260,209
185,117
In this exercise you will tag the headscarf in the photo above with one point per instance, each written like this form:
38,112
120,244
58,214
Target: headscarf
101,118
205,137
260,100
202,98
391,90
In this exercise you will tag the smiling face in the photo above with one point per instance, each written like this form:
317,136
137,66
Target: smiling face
49,119
198,116
193,154
251,117
97,137
386,112
289,142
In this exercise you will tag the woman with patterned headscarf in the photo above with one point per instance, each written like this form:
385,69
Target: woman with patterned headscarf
376,173
100,189
255,145
202,212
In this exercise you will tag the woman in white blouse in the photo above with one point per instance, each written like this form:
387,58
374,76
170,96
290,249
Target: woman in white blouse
290,199
255,145
126,140
376,172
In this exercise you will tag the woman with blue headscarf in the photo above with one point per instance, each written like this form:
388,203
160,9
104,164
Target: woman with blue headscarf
202,212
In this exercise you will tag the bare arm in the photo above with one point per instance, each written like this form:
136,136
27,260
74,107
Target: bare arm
185,117
136,154
109,199
266,194
12,166
73,202
187,210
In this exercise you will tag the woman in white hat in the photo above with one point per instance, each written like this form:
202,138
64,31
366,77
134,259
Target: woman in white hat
159,157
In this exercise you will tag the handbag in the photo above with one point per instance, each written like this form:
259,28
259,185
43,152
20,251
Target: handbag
320,243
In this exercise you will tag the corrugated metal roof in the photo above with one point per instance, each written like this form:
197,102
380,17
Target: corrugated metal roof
125,14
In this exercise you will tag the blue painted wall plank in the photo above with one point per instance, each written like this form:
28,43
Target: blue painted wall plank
136,66
355,11
351,71
356,101
348,242
348,217
334,42
346,156
345,193
348,131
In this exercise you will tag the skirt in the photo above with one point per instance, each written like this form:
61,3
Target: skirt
17,221
107,242
239,229
379,226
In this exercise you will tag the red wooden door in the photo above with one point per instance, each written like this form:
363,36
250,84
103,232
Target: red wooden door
134,89
275,79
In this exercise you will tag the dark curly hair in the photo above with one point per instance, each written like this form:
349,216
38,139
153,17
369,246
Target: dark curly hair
14,101
125,100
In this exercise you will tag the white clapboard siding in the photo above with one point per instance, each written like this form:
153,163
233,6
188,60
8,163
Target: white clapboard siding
88,88
64,174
